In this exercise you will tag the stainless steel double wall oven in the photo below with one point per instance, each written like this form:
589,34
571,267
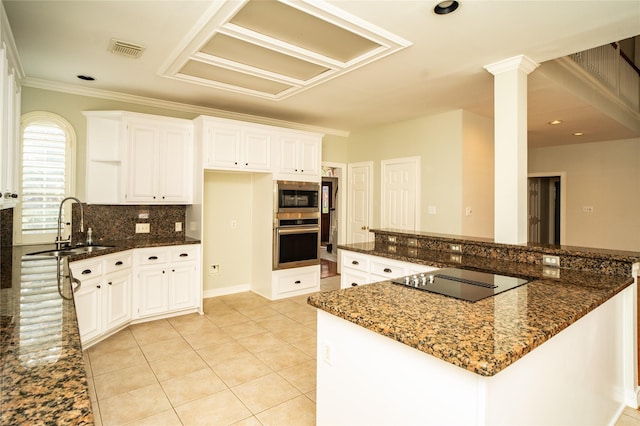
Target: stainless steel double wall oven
296,224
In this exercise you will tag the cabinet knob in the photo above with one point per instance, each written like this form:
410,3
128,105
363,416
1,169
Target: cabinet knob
246,164
110,283
98,286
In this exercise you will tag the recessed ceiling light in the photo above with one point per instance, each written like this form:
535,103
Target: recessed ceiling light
578,134
86,77
554,122
445,7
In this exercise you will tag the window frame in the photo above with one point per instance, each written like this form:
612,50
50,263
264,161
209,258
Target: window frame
45,117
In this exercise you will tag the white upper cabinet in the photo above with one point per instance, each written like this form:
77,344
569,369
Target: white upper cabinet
241,146
233,145
138,159
9,115
298,157
160,166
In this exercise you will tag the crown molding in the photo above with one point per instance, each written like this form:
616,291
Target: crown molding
176,106
520,63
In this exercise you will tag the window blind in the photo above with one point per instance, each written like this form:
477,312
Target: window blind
43,177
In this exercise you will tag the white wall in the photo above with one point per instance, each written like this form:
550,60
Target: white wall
227,198
602,175
449,181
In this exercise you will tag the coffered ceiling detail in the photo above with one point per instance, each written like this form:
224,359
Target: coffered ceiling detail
300,45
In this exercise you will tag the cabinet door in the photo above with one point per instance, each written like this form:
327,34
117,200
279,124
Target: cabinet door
222,147
88,302
182,290
256,148
143,162
116,300
288,155
152,292
309,157
174,169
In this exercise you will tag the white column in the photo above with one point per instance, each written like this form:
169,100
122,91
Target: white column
510,122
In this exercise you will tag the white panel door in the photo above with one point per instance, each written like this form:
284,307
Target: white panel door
360,181
400,195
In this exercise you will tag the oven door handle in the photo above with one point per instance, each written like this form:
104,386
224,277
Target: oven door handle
297,230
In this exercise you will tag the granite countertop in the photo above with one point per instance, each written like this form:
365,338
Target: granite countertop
43,378
483,337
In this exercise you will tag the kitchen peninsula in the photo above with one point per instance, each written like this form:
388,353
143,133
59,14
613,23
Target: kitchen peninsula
558,350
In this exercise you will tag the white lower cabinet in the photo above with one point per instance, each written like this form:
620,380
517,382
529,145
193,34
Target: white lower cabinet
166,280
295,281
135,286
103,301
360,268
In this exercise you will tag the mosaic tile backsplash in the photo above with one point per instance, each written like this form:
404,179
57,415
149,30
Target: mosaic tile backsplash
116,223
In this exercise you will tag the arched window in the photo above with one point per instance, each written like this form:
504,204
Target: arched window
47,175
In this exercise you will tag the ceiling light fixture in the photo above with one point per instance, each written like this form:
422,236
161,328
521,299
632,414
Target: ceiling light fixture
578,134
86,77
445,7
554,122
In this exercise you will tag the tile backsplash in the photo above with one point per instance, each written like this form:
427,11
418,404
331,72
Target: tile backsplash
6,227
116,223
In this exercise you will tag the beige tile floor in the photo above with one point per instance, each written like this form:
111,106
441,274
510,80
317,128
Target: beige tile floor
247,361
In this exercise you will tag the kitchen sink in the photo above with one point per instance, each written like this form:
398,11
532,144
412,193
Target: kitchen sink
69,251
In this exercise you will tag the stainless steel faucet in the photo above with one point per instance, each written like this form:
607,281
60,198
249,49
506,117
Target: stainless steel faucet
59,241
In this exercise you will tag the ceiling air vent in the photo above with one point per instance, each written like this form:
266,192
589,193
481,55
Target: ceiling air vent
125,48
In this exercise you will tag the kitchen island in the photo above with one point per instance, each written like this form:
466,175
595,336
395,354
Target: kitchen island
558,350
43,378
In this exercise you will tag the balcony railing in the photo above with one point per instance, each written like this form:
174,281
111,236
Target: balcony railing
614,69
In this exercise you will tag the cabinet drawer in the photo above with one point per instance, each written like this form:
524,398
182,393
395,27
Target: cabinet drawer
151,256
117,262
352,278
184,253
387,269
355,261
295,282
86,269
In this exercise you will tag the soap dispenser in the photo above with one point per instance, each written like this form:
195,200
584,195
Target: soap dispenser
89,237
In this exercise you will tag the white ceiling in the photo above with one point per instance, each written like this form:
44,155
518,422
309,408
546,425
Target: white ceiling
442,69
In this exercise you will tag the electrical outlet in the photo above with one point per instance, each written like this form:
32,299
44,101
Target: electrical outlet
234,224
327,355
549,260
587,209
456,247
431,209
143,228
468,211
178,226
214,269
455,258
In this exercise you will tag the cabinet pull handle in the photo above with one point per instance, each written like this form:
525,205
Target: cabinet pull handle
354,284
387,270
110,283
153,258
98,286
355,262
184,254
86,271
297,282
118,263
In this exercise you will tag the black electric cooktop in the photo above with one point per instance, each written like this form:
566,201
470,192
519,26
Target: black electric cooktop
461,283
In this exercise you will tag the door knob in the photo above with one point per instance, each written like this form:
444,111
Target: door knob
364,228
